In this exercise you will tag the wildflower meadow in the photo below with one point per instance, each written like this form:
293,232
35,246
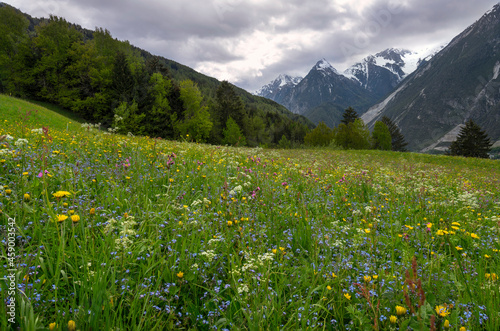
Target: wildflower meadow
101,231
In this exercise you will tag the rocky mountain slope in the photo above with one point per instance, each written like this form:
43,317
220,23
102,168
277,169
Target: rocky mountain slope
460,82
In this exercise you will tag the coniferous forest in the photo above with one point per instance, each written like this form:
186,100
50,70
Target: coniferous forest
128,90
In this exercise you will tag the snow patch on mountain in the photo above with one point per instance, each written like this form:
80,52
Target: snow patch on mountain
325,67
283,80
401,62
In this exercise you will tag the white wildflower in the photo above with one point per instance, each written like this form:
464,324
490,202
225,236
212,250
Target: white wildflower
210,254
266,257
212,241
196,203
242,288
20,142
236,190
356,212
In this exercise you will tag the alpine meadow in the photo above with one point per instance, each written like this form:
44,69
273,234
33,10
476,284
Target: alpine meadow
134,233
139,194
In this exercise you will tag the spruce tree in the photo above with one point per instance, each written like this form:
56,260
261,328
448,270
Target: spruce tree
349,116
397,139
472,141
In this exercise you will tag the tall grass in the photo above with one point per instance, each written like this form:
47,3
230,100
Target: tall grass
179,235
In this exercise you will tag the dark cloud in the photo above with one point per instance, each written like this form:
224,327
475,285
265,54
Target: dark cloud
250,42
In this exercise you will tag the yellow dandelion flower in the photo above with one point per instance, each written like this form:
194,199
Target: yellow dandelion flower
347,296
180,274
400,310
71,325
27,197
61,218
92,211
446,324
52,326
440,232
393,319
367,278
334,275
328,287
75,218
463,328
8,191
475,236
442,310
61,194
458,248
229,223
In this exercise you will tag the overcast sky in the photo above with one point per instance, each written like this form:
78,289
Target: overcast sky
250,42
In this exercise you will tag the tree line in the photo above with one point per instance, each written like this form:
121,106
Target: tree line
352,133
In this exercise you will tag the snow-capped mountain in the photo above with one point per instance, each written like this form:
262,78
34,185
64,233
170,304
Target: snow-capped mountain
382,72
325,68
325,92
279,87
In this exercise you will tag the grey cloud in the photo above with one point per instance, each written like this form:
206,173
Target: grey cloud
193,32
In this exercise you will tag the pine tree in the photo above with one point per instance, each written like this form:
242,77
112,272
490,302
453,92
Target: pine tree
349,116
472,141
397,139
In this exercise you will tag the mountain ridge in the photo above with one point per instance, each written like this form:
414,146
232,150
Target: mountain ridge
325,92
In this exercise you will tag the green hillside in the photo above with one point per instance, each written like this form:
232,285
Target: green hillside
127,89
36,115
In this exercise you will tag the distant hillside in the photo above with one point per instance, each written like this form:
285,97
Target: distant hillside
128,89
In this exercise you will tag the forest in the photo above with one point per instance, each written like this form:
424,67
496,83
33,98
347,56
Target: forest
129,91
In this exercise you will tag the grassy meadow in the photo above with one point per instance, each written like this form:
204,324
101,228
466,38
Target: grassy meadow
133,233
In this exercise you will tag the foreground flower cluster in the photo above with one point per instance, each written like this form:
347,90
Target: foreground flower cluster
117,231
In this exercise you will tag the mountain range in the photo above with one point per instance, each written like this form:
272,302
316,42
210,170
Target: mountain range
324,93
429,94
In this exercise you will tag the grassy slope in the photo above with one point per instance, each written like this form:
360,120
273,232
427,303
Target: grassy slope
36,114
242,238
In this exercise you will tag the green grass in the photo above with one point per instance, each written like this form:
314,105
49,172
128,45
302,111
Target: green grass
178,235
34,114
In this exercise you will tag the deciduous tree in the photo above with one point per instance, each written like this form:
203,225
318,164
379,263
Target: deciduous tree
397,139
381,137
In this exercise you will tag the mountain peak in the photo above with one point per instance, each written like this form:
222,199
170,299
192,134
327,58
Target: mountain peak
282,82
324,66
